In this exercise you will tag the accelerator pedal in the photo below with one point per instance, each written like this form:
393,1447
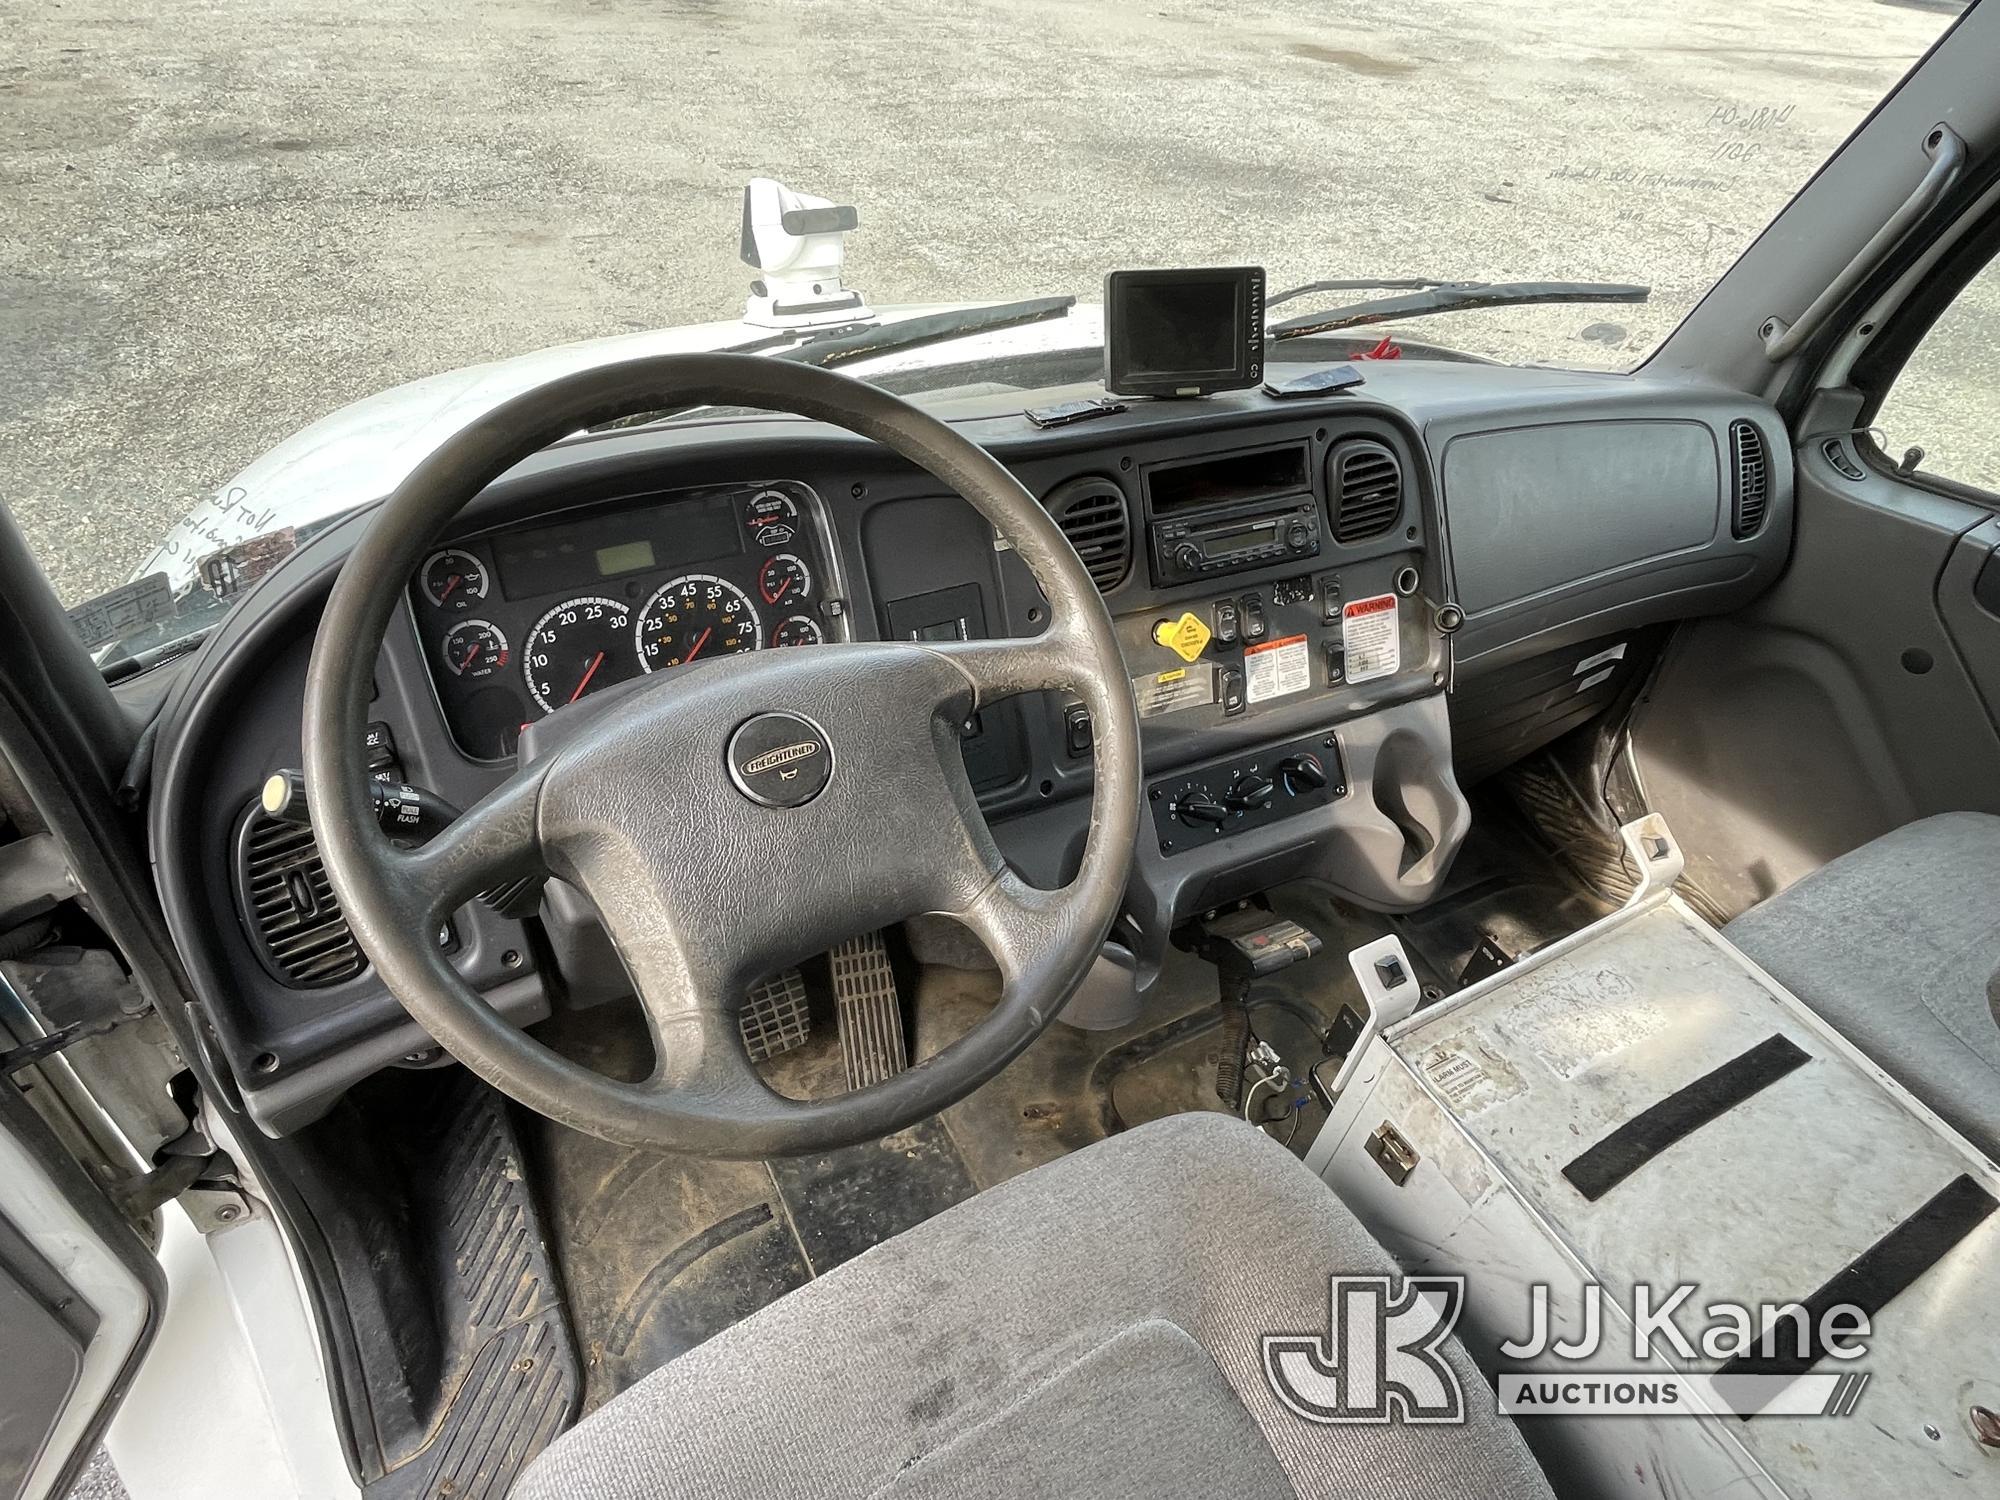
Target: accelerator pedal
775,1016
870,1011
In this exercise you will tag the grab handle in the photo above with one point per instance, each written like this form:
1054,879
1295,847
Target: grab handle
1947,154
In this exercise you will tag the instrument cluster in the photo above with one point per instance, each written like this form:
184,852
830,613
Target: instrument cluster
519,623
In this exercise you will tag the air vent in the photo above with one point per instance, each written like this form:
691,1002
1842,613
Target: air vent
1091,512
291,905
1365,482
1752,495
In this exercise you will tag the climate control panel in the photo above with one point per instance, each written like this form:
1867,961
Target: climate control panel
1197,806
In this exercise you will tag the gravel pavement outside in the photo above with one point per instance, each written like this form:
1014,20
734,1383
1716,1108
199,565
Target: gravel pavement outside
226,218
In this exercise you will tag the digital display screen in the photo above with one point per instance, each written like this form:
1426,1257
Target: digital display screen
625,557
1175,328
1241,536
1183,333
668,533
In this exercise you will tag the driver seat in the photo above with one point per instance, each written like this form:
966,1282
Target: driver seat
1092,1328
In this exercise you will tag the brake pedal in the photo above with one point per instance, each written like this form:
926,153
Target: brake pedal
870,1010
776,1017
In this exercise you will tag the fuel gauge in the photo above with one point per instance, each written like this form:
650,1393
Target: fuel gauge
475,649
773,517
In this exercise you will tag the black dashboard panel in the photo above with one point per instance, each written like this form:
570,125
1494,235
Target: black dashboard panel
1346,634
518,622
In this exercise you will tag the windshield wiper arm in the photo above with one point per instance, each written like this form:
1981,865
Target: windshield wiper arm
840,345
837,345
1441,297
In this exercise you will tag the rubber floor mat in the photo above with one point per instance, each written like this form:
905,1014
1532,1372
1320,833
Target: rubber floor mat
660,1252
510,1370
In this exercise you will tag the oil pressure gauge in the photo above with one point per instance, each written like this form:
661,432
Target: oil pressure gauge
454,579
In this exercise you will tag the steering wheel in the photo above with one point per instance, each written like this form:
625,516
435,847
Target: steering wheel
828,782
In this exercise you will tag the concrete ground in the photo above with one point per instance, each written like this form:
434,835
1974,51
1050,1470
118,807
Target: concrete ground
224,218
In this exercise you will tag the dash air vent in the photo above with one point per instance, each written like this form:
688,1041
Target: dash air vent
1365,483
1751,477
291,906
1091,512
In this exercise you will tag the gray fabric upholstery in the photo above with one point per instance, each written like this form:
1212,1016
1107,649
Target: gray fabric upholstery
1146,1413
1130,1283
1897,945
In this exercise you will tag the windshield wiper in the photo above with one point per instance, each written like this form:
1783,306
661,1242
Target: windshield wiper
1421,298
827,347
840,345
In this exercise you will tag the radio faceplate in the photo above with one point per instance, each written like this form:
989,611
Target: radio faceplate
1230,538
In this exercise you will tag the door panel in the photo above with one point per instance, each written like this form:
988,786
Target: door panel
79,1302
1856,695
1969,602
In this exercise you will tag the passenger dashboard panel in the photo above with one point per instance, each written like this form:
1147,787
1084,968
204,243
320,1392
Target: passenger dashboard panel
518,622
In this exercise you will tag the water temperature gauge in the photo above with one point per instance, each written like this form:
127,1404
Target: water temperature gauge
475,649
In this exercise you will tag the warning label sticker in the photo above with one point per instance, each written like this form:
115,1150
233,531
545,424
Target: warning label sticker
1276,668
1184,687
1372,635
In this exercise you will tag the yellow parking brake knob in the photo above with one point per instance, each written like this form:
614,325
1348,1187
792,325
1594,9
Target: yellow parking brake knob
1186,637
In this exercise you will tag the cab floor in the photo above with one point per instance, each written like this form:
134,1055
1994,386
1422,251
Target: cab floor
657,1253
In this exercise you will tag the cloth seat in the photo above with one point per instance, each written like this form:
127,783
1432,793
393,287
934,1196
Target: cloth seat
1897,945
1092,1328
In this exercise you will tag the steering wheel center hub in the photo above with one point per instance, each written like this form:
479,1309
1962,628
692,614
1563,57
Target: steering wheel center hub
780,759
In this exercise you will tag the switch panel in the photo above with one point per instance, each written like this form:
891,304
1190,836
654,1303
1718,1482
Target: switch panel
1195,807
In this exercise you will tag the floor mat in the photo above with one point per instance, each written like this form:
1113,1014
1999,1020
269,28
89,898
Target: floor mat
660,1252
509,1370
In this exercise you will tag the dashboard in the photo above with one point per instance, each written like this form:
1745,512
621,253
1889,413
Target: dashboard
518,623
1336,615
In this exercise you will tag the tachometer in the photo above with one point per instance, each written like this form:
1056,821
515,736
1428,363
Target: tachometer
578,647
784,579
694,617
798,630
454,579
475,648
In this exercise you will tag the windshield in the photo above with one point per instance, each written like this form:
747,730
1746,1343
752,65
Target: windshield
227,222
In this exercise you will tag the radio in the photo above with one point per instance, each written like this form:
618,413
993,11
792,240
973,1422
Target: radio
1229,539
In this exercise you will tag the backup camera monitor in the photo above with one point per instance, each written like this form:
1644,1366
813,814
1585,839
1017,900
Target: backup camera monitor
1183,333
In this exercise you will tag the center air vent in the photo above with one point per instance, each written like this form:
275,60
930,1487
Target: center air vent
291,906
1751,478
1091,512
1365,484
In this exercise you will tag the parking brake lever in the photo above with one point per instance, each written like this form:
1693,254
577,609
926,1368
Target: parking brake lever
408,815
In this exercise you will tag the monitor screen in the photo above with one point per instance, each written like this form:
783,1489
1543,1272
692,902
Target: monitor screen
1180,328
1183,333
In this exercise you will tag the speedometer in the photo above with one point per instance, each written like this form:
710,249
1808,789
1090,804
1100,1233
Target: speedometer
578,647
694,617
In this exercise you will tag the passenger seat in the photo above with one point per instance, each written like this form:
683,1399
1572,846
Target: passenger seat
1897,945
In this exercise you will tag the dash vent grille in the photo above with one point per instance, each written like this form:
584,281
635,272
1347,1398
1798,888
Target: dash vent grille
1092,513
291,905
1751,496
1367,490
